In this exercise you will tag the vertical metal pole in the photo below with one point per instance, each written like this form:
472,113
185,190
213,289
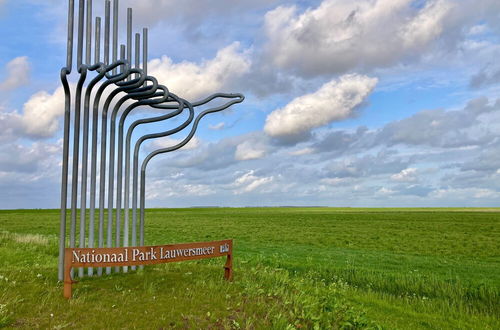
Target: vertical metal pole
129,38
142,206
76,145
126,226
88,50
102,182
67,113
76,133
107,23
85,136
111,183
71,18
145,51
95,120
137,52
97,56
134,196
115,32
81,13
123,54
97,46
111,166
134,200
145,68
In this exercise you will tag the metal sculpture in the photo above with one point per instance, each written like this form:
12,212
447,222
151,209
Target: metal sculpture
96,108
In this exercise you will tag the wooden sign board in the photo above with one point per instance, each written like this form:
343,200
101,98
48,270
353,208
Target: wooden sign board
145,255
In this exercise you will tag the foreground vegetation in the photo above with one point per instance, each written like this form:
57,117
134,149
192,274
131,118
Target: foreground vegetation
294,267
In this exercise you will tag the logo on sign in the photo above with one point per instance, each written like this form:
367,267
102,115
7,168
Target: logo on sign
224,248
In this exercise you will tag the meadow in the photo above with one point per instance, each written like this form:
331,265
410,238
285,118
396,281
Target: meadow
313,268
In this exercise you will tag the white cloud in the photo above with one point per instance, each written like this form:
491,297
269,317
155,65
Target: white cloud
189,12
385,191
303,151
198,189
166,142
426,26
249,182
162,188
333,181
249,150
406,175
478,29
42,113
440,128
18,73
335,100
193,81
465,193
32,161
340,35
217,127
11,125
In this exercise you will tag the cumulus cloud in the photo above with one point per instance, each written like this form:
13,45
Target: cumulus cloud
42,113
17,158
406,175
340,141
367,165
442,128
471,126
249,150
485,77
301,152
465,194
335,100
217,127
11,125
340,35
18,73
414,190
39,119
166,142
249,182
194,81
29,175
159,189
189,12
222,154
487,162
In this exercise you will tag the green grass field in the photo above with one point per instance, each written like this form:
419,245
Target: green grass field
294,268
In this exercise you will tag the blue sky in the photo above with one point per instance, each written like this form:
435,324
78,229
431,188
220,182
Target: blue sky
348,103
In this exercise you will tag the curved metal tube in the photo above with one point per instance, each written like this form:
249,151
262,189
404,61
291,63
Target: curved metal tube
144,99
133,89
130,84
180,108
76,139
102,171
83,192
64,176
178,146
93,161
